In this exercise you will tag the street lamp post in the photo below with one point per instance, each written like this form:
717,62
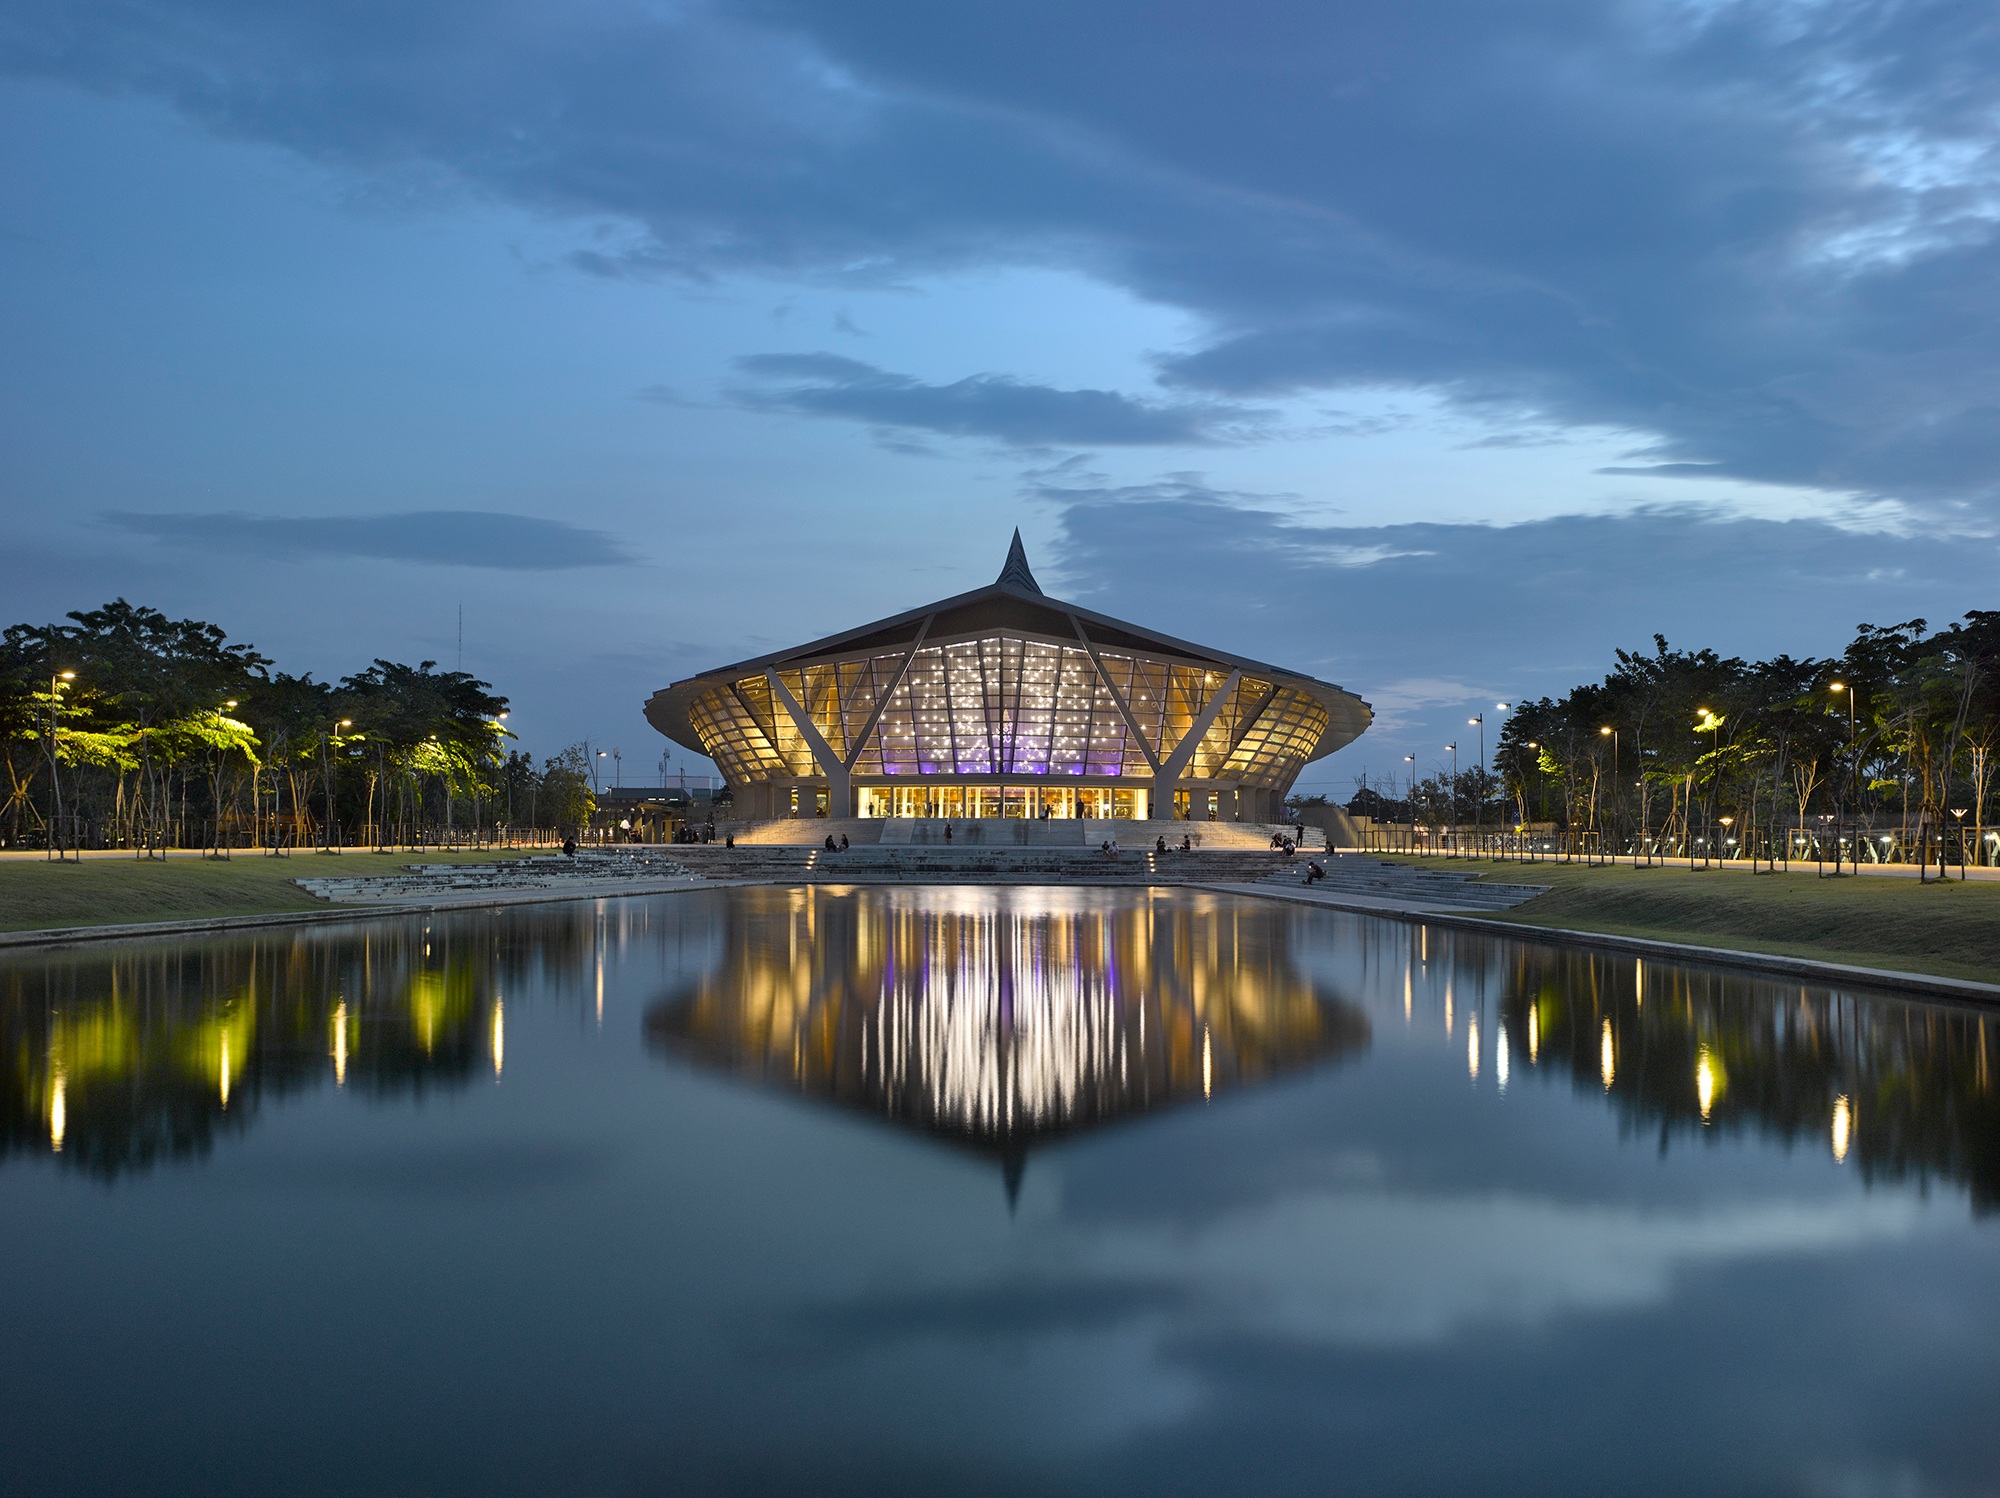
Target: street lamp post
1451,801
1534,747
1478,720
1959,812
1411,761
1612,734
1713,726
57,681
326,778
1839,688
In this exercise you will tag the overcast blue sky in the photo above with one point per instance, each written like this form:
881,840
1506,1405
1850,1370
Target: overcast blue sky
1436,349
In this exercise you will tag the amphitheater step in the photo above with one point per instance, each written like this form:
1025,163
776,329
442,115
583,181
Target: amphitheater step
1404,883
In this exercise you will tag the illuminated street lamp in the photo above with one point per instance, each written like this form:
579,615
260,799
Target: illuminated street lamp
1452,801
57,681
1711,725
1479,806
1612,734
1959,812
326,778
1411,761
1847,781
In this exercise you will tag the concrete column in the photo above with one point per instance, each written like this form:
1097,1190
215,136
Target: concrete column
1225,803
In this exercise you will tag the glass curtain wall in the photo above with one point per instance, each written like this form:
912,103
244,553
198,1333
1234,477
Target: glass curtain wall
1028,802
1005,705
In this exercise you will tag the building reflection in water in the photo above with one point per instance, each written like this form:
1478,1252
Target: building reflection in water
994,1017
997,1017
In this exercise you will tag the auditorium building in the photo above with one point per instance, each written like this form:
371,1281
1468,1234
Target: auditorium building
1004,702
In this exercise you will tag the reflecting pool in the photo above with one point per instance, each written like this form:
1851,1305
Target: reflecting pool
968,1190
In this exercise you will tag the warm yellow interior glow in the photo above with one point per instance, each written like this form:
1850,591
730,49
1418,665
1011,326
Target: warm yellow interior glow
340,1044
1005,704
1607,1061
59,1112
1843,1126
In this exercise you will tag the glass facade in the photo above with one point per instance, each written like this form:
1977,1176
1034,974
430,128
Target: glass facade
1030,802
1006,724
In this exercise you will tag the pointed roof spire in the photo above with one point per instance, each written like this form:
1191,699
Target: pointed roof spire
1016,574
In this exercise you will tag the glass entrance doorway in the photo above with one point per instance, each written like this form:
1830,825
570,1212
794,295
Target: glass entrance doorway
1032,802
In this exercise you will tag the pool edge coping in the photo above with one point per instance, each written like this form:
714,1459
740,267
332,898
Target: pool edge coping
1932,985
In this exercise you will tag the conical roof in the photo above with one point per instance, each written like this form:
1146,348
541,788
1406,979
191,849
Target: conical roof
1016,574
1013,601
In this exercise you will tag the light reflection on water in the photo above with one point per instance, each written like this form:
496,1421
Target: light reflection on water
1001,1018
1361,1171
991,1017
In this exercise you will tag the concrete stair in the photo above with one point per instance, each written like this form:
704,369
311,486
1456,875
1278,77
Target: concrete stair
770,863
999,832
1371,878
976,864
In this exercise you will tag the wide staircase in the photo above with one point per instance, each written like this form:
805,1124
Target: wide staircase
1404,884
1008,832
972,863
612,870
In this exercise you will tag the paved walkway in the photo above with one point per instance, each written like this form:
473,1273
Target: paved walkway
1809,869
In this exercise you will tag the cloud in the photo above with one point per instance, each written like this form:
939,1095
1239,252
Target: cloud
985,405
449,538
1768,236
1433,621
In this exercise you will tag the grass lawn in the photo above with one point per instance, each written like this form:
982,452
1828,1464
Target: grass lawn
114,891
1951,930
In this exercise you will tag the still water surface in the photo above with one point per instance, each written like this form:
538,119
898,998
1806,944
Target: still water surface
967,1191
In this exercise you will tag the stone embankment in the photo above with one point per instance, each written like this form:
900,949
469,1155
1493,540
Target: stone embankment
624,871
638,870
883,863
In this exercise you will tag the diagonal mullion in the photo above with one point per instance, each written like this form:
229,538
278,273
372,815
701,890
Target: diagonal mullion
1118,698
882,699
